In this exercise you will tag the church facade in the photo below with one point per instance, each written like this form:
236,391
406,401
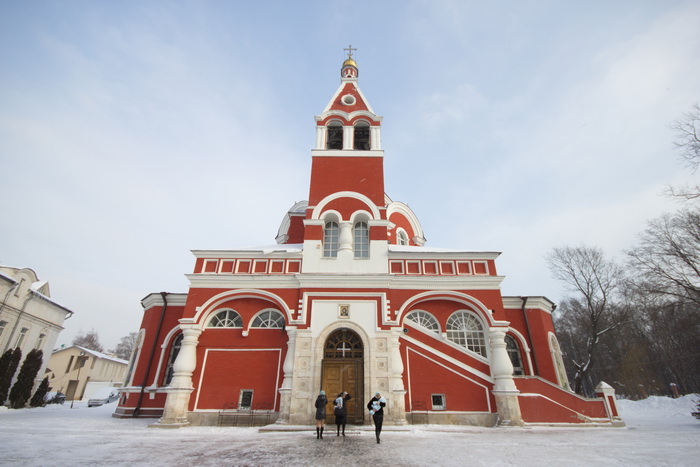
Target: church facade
351,299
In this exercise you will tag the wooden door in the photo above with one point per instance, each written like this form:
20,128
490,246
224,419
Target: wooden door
344,375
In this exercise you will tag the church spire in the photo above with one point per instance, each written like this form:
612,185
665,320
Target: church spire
349,69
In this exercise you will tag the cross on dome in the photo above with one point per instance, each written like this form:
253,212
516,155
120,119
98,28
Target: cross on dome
350,49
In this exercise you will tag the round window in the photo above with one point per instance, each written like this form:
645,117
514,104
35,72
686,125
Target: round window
348,99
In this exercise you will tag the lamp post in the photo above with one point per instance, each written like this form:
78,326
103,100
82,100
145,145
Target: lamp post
81,362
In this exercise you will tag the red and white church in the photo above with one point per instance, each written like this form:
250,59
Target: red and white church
351,299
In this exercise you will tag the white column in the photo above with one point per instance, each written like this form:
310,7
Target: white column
348,136
180,389
397,406
504,389
375,139
321,132
286,389
345,240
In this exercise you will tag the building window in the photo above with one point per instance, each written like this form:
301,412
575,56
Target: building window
361,240
466,330
268,319
330,240
334,138
425,319
245,399
343,344
438,401
361,137
401,238
226,319
174,350
2,327
20,338
514,354
40,341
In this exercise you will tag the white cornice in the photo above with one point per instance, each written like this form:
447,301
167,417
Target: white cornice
363,281
412,252
283,251
347,153
235,281
539,302
155,299
447,282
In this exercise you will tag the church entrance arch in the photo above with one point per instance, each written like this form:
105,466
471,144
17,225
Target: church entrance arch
342,370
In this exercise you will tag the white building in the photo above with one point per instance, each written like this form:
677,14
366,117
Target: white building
29,318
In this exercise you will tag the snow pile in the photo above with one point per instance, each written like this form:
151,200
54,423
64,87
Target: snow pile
660,409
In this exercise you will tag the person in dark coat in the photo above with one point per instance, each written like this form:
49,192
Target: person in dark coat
320,405
376,409
341,410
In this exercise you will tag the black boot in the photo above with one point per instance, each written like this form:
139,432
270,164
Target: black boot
343,430
318,433
321,432
338,431
377,438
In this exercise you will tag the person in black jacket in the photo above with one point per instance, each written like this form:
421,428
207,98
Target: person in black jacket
376,409
341,410
320,405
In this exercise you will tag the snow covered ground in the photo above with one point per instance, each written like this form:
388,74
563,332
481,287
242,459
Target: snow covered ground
660,431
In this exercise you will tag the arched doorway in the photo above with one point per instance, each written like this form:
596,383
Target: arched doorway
342,370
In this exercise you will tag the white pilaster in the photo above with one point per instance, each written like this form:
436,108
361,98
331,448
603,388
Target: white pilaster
180,389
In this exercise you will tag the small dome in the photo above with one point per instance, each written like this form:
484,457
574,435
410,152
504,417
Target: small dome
349,62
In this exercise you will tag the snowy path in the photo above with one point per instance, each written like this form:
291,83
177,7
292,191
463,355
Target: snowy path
659,432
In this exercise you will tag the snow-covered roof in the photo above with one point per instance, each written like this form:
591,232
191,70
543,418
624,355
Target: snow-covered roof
94,353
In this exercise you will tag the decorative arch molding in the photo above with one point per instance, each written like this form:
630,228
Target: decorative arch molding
458,297
246,329
397,207
558,361
318,210
204,311
164,352
349,118
334,326
527,353
360,216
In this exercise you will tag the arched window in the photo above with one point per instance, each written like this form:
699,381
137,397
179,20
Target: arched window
343,344
330,240
226,319
361,138
174,350
268,319
424,319
334,138
401,238
514,354
466,330
361,233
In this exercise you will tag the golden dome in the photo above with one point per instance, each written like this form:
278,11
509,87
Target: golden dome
349,61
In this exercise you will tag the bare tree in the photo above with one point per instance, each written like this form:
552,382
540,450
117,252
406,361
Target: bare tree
89,340
594,281
125,346
667,260
687,130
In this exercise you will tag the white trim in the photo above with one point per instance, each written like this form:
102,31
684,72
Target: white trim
316,214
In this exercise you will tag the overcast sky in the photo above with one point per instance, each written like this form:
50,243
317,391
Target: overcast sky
132,132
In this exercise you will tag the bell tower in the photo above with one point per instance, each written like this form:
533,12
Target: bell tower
346,216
